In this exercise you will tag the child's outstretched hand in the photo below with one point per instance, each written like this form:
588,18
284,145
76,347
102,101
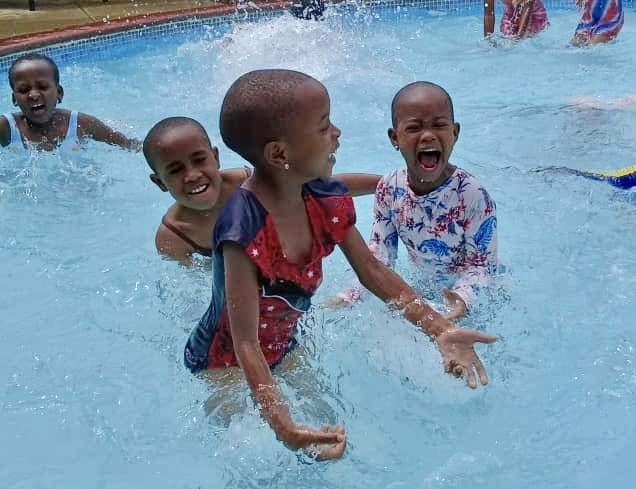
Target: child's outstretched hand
458,355
325,444
455,304
330,451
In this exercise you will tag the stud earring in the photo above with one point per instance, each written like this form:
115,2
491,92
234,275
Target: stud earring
397,148
286,166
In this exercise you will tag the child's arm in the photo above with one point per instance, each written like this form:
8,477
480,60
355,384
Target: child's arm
172,246
481,257
242,298
89,126
358,183
384,236
489,17
233,178
455,344
5,132
383,243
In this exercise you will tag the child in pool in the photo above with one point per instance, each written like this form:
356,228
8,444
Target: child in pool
35,83
523,18
184,163
442,214
601,21
269,242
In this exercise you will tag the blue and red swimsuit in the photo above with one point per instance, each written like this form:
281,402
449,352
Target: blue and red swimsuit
600,17
285,288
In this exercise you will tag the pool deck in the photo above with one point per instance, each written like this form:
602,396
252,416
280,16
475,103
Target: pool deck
59,20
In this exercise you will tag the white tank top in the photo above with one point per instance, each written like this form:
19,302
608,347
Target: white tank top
68,146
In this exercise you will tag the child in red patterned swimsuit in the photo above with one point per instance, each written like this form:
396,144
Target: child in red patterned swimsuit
184,163
523,18
269,242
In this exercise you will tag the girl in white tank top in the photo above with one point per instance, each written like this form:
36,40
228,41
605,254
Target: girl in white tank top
68,145
34,81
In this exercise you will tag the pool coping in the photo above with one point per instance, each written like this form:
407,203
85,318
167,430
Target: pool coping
238,9
31,41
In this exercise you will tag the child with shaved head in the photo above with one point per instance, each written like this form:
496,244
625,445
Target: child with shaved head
442,214
269,242
184,163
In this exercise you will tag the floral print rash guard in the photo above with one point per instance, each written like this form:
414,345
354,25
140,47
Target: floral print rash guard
450,231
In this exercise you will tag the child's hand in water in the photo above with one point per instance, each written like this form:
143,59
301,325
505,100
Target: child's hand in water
329,451
343,299
336,302
327,444
454,303
458,355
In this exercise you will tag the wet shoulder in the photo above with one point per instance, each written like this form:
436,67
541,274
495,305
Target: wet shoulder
395,179
240,219
325,187
469,186
5,130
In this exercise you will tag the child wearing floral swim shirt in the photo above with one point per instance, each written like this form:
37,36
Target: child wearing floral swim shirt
442,214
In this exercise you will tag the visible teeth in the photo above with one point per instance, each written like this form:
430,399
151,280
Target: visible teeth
198,190
332,157
429,150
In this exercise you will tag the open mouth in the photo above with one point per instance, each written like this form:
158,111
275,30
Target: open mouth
38,108
428,159
332,158
199,189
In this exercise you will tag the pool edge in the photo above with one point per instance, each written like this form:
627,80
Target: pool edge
25,42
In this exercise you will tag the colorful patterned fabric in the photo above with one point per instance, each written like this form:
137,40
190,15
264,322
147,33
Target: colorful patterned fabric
450,231
285,288
624,178
600,17
511,18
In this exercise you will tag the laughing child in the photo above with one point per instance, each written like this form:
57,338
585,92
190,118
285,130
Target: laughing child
35,84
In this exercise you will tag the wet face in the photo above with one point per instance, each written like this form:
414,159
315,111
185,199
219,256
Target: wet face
187,167
425,134
35,91
313,140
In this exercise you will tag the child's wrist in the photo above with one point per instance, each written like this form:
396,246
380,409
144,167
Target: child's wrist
421,314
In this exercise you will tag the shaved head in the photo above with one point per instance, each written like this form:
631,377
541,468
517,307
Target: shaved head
161,128
419,84
259,107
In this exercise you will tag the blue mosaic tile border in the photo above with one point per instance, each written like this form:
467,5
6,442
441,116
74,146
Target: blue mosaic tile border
104,46
101,46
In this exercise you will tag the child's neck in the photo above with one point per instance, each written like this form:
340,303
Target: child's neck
45,128
276,192
188,214
424,188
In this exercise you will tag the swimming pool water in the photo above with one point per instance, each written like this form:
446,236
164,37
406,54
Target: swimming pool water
95,394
